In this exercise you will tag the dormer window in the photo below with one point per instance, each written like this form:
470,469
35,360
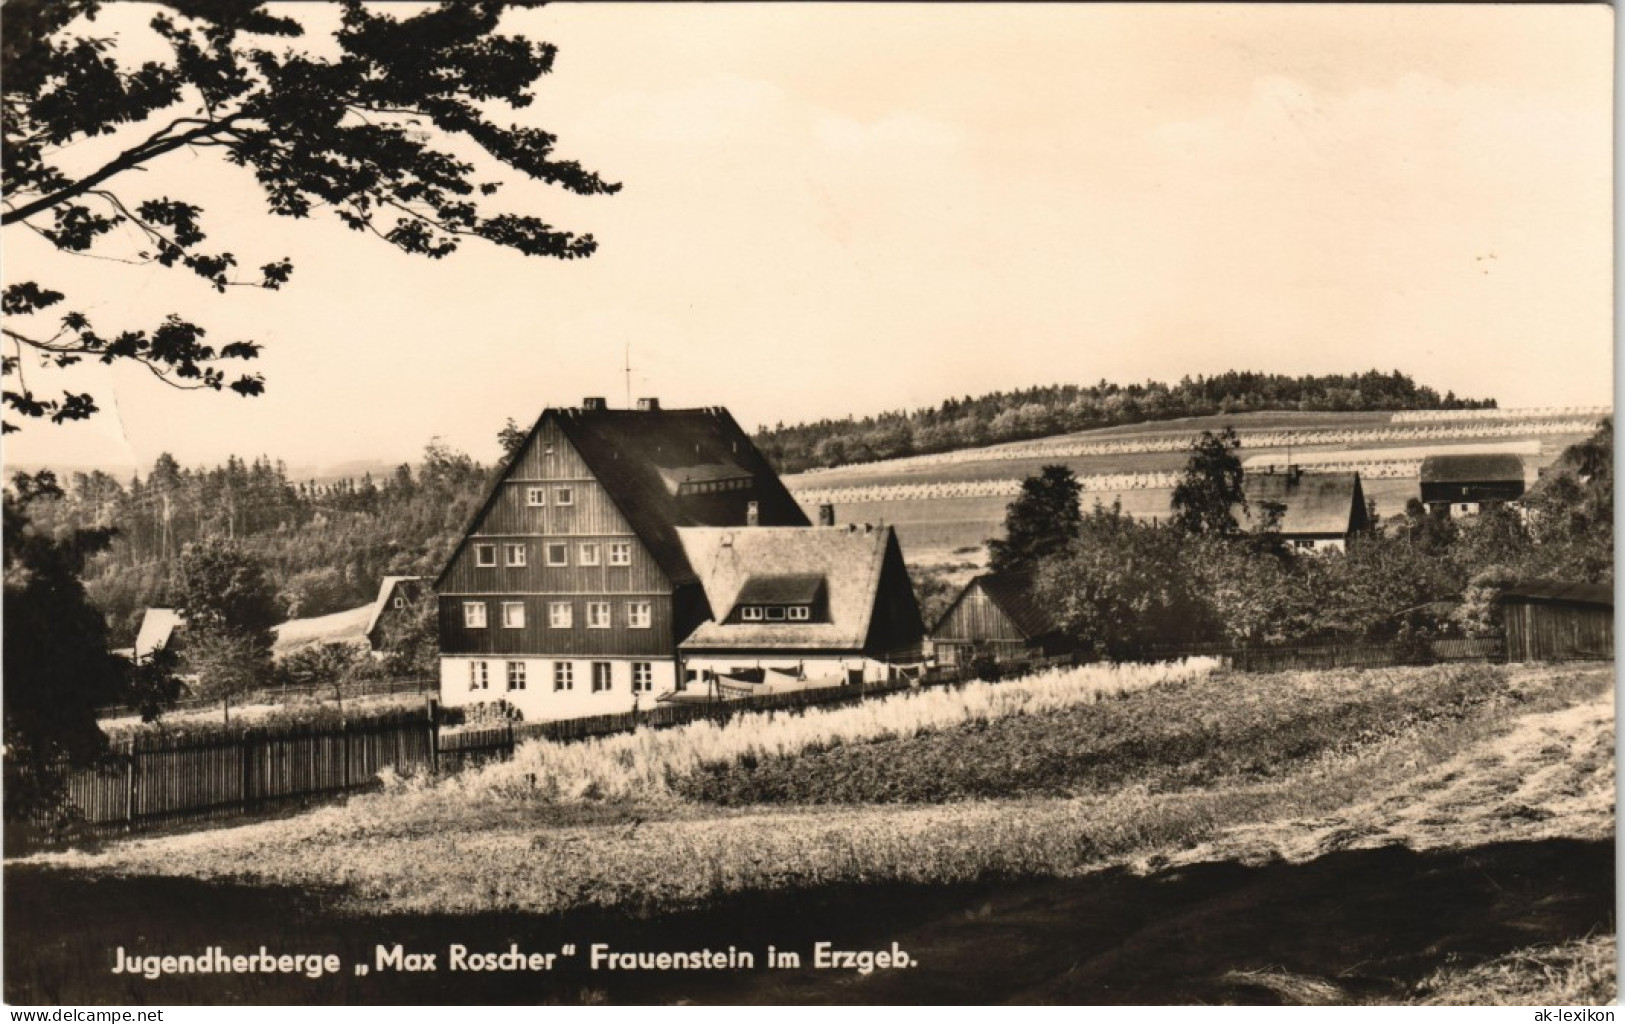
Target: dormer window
782,598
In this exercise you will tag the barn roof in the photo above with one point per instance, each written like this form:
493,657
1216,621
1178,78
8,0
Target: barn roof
1470,469
346,627
158,626
1316,503
1549,592
1014,593
379,603
732,561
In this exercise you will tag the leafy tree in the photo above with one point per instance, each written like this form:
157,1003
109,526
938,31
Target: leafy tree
58,670
1040,522
229,608
511,437
1121,588
1211,485
321,665
378,133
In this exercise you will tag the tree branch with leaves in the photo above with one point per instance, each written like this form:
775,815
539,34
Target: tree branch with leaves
368,135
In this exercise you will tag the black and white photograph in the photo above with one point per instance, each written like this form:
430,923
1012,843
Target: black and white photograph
1085,504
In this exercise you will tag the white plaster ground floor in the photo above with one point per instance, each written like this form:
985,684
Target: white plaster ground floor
547,689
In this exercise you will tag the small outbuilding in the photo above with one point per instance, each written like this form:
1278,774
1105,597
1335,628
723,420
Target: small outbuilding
1464,485
1548,621
998,615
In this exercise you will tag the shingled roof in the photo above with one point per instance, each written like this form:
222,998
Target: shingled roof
634,452
1316,504
731,562
1471,469
641,456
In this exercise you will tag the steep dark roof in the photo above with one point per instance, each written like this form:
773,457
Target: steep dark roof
1469,469
1013,592
1316,503
791,588
1545,591
633,453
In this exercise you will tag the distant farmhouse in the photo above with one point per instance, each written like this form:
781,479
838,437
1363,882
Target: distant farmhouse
397,595
997,615
161,629
575,584
1464,485
1319,511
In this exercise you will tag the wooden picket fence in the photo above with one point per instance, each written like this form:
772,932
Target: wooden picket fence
156,778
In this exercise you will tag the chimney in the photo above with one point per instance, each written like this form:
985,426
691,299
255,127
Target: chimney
594,404
753,516
648,405
826,515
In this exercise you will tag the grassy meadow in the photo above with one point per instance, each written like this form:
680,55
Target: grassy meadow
1090,813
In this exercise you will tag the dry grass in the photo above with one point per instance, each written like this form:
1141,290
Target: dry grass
1578,973
497,845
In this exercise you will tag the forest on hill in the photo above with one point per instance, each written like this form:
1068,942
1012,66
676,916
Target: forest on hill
1063,408
324,546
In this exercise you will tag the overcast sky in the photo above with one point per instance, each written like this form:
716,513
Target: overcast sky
834,209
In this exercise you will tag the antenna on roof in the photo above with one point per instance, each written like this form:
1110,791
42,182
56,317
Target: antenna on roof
629,375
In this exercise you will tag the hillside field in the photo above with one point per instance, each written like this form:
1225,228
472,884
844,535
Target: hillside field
1176,834
941,531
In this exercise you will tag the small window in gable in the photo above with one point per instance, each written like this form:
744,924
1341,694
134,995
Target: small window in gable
558,554
535,496
474,614
485,555
564,495
620,552
587,553
515,554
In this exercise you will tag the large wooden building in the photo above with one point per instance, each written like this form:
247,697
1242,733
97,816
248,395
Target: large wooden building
800,608
1558,621
997,615
1318,511
571,589
1463,485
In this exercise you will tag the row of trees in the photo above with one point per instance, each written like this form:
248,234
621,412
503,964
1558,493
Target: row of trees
1058,409
1125,588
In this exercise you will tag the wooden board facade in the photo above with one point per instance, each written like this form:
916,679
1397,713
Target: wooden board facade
1544,631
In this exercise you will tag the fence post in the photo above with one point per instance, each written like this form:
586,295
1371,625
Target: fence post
246,758
434,740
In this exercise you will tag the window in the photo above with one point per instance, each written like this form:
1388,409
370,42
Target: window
516,675
751,613
597,614
637,614
799,613
478,676
601,676
564,675
564,495
513,615
1303,544
474,614
587,554
535,496
485,555
399,602
558,554
514,554
561,615
643,676
774,613
620,552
